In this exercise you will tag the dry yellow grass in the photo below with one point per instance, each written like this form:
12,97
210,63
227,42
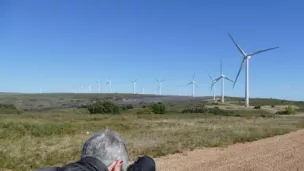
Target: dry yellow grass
33,141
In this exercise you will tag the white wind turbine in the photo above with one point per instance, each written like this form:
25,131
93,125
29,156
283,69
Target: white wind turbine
109,82
223,77
98,86
246,58
89,88
193,85
160,85
81,89
134,86
143,91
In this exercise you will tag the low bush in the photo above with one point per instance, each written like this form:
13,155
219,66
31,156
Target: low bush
9,109
195,110
205,110
83,106
257,107
129,106
289,110
104,107
158,108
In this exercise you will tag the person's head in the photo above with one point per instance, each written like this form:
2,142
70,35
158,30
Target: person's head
109,148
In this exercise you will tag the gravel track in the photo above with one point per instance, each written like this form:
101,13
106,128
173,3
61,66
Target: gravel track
279,153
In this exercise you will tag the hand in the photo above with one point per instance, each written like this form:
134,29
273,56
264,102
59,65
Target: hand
115,166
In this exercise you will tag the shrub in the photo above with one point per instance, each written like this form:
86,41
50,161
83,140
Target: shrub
195,110
123,107
272,106
215,111
289,110
158,108
218,111
129,106
83,106
104,107
257,107
9,109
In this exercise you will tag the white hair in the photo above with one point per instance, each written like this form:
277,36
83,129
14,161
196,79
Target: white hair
108,147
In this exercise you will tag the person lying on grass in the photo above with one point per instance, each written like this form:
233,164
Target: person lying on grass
105,151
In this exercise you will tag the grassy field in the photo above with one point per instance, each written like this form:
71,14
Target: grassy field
32,141
53,130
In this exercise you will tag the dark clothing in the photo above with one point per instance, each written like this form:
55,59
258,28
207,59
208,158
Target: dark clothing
144,163
84,164
92,164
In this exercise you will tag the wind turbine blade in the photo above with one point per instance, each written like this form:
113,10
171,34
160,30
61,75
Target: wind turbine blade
210,77
156,79
221,67
193,76
260,51
196,85
215,81
229,79
238,47
188,84
163,80
241,67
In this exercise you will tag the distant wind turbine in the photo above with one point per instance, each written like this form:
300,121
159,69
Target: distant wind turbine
134,86
109,82
98,86
160,85
193,85
143,91
222,77
246,58
89,88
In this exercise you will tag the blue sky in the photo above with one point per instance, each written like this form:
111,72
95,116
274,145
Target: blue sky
59,45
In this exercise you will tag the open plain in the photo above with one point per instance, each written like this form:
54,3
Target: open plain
189,141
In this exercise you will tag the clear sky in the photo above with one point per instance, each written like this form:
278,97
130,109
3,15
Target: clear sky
58,45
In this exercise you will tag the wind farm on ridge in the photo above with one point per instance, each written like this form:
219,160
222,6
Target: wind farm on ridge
221,78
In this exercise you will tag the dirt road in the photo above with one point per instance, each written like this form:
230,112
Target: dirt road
280,153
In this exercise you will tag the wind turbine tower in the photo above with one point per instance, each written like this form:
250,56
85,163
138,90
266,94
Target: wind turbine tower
246,58
134,86
193,85
222,78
